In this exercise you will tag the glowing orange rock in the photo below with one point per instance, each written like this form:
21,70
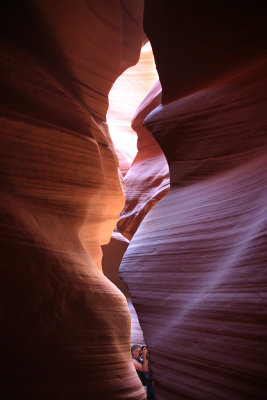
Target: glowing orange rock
65,328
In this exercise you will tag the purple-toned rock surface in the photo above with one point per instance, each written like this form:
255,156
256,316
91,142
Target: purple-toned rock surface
196,268
112,256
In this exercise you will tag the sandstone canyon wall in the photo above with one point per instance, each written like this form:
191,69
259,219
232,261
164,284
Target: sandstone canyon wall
196,266
147,181
65,329
148,178
127,93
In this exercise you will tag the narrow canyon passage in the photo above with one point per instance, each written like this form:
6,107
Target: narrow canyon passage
124,98
185,216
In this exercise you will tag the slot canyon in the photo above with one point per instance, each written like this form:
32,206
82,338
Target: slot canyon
169,248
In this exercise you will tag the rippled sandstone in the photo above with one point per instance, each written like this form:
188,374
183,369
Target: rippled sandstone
196,266
65,328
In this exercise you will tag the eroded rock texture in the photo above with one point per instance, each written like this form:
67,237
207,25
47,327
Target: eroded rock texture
112,256
196,267
148,178
127,93
65,328
147,181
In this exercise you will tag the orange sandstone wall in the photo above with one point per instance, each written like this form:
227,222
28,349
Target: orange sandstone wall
65,328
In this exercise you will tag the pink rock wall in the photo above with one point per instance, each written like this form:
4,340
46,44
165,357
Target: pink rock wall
65,328
112,256
196,267
147,181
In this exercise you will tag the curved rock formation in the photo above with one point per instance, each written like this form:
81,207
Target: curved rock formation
196,267
65,328
112,256
147,181
127,93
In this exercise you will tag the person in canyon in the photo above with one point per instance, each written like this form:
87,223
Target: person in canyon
148,378
140,366
141,363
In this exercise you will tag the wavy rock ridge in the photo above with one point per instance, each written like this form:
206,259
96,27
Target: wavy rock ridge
196,266
65,328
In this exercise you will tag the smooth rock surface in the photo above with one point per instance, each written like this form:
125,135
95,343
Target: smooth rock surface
147,181
112,256
196,267
65,328
125,96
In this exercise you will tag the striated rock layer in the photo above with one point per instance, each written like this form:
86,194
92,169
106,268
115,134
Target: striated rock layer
147,181
65,328
196,267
